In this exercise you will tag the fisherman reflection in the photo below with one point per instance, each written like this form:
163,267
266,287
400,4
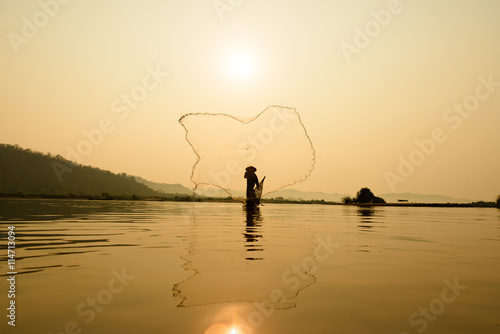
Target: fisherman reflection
252,234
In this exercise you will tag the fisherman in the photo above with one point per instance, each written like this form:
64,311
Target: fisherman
252,181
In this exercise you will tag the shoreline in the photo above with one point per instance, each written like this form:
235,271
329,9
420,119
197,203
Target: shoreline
187,198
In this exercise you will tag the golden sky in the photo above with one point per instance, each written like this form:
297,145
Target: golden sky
398,96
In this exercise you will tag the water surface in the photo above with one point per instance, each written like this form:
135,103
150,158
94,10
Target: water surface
166,267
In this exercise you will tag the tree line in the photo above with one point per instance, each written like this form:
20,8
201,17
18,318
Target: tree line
23,171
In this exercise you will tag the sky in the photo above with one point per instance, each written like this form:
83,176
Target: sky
398,96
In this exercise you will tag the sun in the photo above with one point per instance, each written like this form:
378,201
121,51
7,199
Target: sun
241,65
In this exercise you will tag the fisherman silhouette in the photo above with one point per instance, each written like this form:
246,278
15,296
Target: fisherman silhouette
252,182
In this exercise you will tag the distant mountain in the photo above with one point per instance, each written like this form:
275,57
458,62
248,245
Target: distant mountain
29,172
35,173
178,189
417,198
293,194
168,188
389,198
306,195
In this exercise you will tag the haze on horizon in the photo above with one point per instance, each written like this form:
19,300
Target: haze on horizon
397,96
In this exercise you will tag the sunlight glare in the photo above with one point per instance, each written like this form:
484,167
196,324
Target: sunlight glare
225,329
241,65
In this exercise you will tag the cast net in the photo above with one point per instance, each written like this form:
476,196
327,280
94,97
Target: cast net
275,142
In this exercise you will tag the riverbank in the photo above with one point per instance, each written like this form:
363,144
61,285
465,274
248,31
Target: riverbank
187,198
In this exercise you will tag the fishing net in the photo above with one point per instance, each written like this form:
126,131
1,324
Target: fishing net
275,142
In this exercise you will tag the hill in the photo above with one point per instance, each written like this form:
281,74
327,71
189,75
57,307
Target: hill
34,173
28,172
168,188
417,198
293,194
389,198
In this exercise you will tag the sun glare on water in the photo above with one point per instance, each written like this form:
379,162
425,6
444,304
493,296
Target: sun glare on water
225,329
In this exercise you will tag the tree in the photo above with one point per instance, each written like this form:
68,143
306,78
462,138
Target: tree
106,196
347,200
364,195
498,201
378,200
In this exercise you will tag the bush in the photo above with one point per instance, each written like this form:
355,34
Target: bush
364,195
378,200
347,200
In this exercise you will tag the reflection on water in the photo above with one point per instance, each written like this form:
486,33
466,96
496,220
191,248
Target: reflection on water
226,272
253,234
68,236
370,218
202,266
